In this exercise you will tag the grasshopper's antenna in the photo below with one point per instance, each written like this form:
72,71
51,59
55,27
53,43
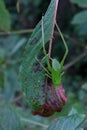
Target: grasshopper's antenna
44,50
64,42
43,38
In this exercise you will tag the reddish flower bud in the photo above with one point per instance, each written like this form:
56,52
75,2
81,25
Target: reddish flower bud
54,101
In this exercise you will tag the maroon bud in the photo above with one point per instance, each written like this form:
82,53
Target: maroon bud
54,101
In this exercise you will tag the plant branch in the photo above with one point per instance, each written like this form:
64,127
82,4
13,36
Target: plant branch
17,99
33,122
77,59
16,32
54,20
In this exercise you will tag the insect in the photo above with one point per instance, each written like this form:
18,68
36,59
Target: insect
54,71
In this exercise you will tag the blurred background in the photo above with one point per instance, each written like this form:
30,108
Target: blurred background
17,21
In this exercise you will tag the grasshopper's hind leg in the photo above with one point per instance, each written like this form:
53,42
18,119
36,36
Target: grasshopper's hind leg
64,42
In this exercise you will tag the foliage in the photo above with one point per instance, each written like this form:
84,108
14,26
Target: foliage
11,122
80,19
5,21
80,3
72,18
71,122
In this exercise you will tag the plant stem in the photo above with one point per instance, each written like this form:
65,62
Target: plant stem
33,122
54,19
17,99
16,32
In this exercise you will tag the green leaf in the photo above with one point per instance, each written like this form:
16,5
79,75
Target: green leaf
84,86
73,111
80,18
18,46
81,29
36,3
81,3
5,20
31,76
11,85
55,65
79,129
9,120
68,123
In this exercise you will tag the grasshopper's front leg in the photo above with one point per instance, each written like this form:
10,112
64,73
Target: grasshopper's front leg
48,73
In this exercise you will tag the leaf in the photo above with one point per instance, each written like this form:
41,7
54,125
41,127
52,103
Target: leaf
31,76
81,3
18,46
79,129
83,92
11,84
68,123
80,18
36,3
84,86
5,20
9,120
73,111
12,40
81,29
55,65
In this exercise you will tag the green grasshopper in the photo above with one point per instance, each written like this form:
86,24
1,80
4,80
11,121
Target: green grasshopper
54,71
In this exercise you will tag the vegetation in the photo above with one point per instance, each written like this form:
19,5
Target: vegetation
29,100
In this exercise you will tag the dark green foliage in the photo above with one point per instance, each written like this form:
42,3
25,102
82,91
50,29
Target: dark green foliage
5,21
80,19
72,19
80,3
9,120
71,122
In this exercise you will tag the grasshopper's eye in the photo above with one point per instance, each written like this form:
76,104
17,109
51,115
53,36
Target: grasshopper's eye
55,64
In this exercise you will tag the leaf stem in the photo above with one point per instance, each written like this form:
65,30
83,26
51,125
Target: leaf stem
16,32
76,60
54,19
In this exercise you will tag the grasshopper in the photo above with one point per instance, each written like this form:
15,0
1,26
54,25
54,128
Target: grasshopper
54,71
